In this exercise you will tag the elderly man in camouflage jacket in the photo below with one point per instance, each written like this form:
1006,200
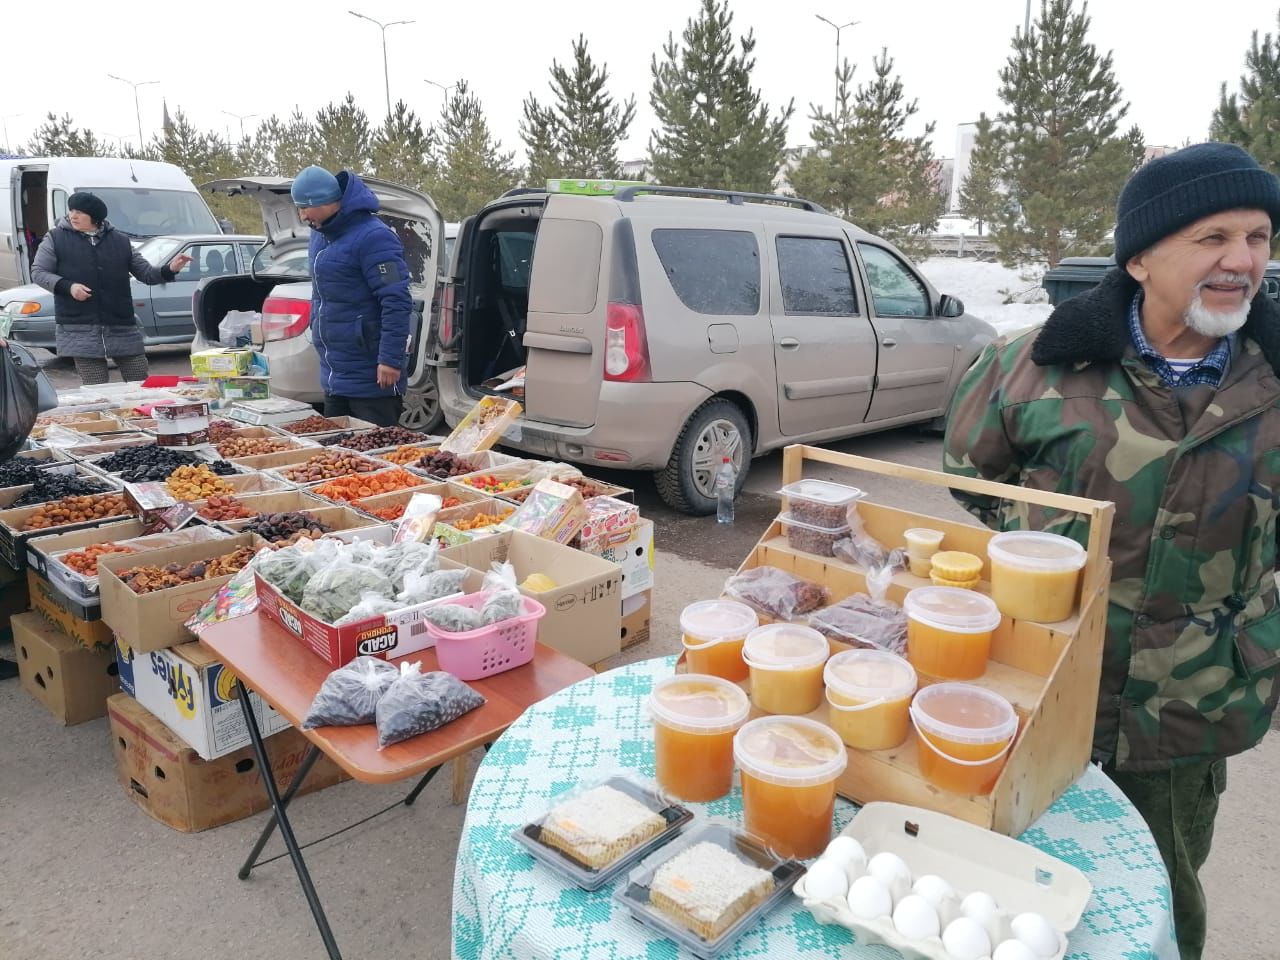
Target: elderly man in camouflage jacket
1158,390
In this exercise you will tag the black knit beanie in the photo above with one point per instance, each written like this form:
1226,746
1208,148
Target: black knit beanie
88,203
1176,190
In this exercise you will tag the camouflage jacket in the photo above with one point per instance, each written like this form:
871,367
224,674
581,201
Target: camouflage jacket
1193,629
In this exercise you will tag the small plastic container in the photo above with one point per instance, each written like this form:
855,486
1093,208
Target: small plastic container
714,632
789,767
786,661
821,502
923,542
589,877
964,735
812,538
635,892
694,721
949,631
1035,576
869,694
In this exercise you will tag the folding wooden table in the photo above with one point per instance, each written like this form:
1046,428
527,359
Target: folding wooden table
281,670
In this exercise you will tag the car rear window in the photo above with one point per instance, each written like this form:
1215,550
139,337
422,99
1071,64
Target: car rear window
815,277
712,271
566,270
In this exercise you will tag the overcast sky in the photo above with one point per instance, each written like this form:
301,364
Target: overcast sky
212,59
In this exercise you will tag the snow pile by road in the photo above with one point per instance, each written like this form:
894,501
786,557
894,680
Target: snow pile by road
984,288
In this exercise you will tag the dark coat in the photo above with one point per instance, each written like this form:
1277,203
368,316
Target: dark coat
360,303
104,325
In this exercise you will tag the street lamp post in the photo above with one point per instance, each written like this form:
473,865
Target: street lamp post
137,110
838,29
386,77
4,122
241,118
446,90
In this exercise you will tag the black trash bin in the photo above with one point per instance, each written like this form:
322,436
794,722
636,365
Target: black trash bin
1074,275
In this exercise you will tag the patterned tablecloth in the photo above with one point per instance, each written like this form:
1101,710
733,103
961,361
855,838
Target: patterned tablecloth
507,906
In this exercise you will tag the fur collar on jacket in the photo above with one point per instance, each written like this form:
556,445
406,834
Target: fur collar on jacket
1094,327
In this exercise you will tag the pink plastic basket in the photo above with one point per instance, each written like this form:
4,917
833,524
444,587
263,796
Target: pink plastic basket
500,646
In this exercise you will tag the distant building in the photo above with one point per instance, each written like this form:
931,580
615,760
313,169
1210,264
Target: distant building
1153,153
944,173
791,160
634,170
965,135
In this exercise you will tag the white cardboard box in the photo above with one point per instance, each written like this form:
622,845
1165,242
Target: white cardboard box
194,695
634,555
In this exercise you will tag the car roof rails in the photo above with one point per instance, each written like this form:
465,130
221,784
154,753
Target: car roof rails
522,192
737,197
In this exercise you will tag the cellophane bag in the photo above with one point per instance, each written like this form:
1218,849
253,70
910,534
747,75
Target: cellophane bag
418,703
349,695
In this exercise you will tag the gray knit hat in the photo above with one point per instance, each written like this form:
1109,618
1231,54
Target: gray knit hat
1176,190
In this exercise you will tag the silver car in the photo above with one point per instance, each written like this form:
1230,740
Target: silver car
665,328
164,311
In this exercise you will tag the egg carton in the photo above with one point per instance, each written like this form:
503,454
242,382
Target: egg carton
1020,879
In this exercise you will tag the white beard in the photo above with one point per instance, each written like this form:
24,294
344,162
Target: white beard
1210,323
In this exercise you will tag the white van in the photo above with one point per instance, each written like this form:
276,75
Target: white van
144,198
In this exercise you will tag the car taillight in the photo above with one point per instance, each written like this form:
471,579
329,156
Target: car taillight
284,318
448,298
626,351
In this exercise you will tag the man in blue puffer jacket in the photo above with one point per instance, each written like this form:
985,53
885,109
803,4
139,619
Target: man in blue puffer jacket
360,304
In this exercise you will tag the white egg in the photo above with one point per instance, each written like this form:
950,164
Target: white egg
915,918
849,853
826,881
966,939
981,907
1036,932
934,889
870,899
891,870
1014,950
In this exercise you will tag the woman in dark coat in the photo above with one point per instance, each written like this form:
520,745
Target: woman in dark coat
86,263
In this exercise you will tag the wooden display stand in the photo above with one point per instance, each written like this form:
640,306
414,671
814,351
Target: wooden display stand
1049,672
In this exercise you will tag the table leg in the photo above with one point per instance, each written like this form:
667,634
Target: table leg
286,830
305,768
413,794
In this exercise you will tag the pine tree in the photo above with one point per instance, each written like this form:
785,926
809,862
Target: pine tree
341,138
578,134
402,151
982,195
60,137
1061,153
288,143
864,168
714,130
474,169
1251,118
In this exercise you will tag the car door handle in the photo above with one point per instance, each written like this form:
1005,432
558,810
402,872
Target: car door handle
788,343
888,342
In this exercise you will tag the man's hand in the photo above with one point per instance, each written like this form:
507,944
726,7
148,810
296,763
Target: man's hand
178,262
387,376
80,292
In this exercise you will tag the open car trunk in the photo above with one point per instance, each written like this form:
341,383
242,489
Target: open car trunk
216,297
495,284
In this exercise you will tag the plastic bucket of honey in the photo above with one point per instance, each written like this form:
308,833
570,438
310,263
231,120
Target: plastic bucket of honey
869,694
789,768
964,735
949,631
714,632
786,661
1034,576
694,720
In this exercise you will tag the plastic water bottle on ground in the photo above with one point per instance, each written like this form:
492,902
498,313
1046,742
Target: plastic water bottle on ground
725,483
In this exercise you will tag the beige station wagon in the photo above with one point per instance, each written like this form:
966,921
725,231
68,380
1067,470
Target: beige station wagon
663,329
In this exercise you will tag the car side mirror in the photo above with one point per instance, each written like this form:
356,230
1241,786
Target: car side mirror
950,307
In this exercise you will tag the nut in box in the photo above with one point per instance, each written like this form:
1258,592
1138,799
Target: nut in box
813,538
821,502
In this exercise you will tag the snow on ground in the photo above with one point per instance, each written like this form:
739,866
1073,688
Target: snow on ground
985,288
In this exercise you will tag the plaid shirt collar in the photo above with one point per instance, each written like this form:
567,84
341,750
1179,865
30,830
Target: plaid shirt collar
1208,371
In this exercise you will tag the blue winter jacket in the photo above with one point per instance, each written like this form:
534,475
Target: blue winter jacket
360,303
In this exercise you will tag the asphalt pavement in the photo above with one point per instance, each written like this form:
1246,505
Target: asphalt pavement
85,874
